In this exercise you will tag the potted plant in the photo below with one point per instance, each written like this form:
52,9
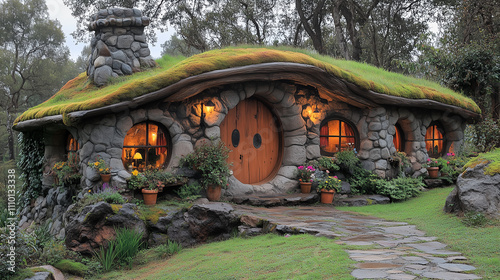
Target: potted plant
432,166
328,187
66,172
327,163
102,168
146,183
210,161
305,176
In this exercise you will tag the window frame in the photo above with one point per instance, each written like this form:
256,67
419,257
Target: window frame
146,147
402,145
340,136
440,128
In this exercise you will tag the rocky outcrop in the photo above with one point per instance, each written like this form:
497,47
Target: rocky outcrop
95,225
475,191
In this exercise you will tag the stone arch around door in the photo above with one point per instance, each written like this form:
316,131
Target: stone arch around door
279,97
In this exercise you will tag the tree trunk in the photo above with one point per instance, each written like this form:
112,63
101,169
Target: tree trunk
339,31
10,137
314,32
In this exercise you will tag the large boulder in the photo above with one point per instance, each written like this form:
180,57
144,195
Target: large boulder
475,191
95,225
201,223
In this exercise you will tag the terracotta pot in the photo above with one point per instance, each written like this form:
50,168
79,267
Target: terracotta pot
214,192
433,172
106,178
305,187
149,196
327,196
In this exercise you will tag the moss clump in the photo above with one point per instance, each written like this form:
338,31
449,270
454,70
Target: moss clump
491,158
71,267
152,214
79,94
116,207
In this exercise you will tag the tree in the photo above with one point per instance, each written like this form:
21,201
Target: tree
32,57
467,58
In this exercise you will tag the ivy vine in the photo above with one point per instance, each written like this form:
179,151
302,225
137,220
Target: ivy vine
31,159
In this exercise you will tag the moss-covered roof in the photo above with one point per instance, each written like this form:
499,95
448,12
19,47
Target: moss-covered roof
79,94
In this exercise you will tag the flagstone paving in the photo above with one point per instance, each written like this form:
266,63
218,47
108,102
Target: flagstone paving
395,250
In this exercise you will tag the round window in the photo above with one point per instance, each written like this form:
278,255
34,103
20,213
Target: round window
145,145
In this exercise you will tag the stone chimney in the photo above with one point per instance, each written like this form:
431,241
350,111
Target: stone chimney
119,46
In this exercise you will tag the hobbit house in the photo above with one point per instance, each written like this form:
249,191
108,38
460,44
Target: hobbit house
274,109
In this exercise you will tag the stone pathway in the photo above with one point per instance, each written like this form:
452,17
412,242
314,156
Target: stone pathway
395,250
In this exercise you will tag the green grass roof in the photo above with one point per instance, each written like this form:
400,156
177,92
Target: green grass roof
80,94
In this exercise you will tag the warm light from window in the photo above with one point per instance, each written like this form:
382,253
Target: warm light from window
153,137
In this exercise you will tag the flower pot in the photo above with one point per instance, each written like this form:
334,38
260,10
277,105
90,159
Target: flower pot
214,192
433,172
305,187
106,178
149,196
327,196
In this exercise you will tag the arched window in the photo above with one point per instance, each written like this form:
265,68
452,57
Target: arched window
145,145
399,139
337,135
434,140
72,146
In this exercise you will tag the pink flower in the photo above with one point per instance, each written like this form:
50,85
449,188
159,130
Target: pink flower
300,167
335,177
327,171
428,159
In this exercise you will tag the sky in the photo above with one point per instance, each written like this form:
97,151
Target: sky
59,11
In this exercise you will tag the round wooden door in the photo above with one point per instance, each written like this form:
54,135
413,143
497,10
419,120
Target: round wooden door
252,132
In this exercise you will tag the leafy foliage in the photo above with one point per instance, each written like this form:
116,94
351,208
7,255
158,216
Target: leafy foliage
210,159
189,191
474,219
401,188
486,135
120,250
31,151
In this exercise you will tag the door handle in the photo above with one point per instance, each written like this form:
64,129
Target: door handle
241,157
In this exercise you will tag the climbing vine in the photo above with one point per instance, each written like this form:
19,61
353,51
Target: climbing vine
31,158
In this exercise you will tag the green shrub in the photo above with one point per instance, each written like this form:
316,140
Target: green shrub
121,250
486,135
71,267
107,256
347,161
189,191
128,243
327,163
474,219
168,249
401,188
108,195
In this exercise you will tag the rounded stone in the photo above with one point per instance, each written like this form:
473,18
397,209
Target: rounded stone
99,61
102,75
230,98
124,41
294,155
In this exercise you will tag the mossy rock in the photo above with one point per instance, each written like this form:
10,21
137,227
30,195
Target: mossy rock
491,159
71,267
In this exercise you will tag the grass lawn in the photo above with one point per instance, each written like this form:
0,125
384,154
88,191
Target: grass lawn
264,257
480,245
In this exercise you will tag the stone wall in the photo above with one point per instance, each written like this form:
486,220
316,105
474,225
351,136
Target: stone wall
119,46
292,105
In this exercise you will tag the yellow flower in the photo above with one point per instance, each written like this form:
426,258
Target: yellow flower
96,163
135,172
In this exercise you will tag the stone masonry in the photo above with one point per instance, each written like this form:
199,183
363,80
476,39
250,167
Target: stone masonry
119,46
